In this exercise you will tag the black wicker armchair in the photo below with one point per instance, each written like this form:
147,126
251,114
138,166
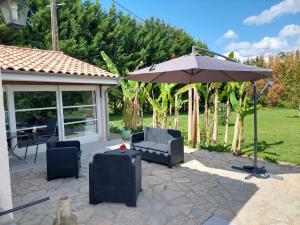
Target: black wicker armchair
63,159
115,178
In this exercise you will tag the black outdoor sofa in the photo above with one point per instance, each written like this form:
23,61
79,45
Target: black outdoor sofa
63,159
115,178
164,146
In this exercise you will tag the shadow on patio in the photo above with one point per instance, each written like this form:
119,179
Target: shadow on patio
196,192
224,161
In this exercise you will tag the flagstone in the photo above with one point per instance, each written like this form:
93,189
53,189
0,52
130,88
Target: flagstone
203,190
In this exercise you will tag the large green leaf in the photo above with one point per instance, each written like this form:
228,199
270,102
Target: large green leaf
234,102
111,66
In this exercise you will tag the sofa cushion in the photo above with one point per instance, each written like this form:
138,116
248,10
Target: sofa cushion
152,134
168,134
152,146
161,136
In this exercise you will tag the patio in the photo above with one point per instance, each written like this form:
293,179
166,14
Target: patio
203,190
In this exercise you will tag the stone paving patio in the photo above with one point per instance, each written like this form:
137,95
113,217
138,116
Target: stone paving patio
203,190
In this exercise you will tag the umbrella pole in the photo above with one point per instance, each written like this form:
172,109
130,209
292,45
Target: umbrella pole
255,171
255,123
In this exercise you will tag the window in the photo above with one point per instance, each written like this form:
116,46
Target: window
79,110
35,109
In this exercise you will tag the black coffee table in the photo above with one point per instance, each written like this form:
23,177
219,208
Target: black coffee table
130,152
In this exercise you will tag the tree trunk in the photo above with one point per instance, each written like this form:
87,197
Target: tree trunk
154,119
240,141
194,121
206,114
190,114
227,121
215,128
197,103
170,116
176,113
235,134
163,122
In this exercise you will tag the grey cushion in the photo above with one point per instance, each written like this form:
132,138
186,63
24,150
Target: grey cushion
167,135
162,136
152,146
152,134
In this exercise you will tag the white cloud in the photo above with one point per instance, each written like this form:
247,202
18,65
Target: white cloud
288,39
229,35
291,30
268,15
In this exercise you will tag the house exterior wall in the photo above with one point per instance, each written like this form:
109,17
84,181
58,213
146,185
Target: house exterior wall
14,82
5,185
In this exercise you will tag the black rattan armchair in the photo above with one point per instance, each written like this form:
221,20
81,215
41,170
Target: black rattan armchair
63,159
42,136
115,178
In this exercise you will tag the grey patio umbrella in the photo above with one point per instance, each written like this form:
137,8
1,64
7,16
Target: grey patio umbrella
204,69
198,69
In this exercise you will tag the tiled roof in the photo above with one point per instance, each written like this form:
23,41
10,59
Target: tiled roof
46,61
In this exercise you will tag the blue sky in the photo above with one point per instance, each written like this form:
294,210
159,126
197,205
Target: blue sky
247,27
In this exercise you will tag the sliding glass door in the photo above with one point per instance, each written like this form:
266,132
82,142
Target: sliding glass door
74,110
79,112
34,109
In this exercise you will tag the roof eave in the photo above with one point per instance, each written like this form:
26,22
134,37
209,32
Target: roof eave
16,75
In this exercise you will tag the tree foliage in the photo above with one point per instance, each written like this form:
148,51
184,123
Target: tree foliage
286,78
85,29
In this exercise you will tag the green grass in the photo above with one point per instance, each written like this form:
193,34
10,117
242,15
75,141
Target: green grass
278,133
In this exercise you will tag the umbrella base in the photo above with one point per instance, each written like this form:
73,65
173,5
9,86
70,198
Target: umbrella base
258,172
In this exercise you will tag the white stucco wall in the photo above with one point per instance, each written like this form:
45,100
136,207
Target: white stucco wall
104,113
5,187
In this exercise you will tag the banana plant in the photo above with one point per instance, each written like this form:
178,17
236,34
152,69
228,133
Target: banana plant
162,105
216,87
193,116
179,103
130,94
205,91
243,109
229,89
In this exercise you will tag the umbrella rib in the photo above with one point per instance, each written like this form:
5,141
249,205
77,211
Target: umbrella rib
199,71
228,75
157,77
187,72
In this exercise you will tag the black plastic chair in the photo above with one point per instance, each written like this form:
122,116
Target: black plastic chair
42,136
115,178
63,159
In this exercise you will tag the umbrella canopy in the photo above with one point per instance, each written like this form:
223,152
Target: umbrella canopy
198,69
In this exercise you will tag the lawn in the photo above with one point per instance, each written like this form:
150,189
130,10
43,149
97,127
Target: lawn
278,133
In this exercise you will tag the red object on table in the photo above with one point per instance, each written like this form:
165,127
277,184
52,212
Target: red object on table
123,148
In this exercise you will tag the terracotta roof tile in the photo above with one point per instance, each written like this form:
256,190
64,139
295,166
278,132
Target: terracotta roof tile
46,61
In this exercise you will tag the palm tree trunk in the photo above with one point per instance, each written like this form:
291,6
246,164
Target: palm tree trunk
154,119
240,139
176,113
163,122
206,114
215,128
135,112
197,103
190,114
194,121
170,116
227,121
235,135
